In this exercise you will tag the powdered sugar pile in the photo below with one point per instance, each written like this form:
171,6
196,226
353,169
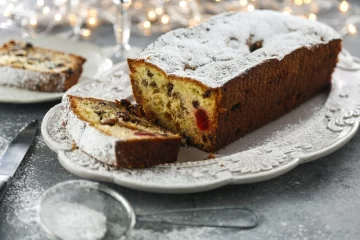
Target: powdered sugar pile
73,221
218,50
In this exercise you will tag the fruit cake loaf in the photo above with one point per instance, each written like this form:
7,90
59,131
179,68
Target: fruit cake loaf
24,66
232,74
117,133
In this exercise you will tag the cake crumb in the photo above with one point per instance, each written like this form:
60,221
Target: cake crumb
73,146
211,156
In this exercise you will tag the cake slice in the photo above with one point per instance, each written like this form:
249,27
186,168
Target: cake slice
33,68
232,74
117,133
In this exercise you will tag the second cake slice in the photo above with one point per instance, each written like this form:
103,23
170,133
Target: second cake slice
117,133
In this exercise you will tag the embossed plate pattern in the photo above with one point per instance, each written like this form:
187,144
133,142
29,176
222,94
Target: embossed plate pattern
313,130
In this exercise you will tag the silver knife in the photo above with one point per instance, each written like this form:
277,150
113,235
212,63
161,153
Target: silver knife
15,153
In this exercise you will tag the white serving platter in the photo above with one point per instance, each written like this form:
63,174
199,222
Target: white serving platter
315,129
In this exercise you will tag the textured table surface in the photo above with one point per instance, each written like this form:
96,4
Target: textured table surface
317,200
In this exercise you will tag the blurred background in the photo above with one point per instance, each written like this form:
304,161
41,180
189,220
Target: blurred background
114,22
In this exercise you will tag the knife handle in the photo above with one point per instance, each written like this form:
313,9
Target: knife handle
4,185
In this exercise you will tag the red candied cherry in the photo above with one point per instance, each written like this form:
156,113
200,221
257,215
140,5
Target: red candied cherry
144,134
202,119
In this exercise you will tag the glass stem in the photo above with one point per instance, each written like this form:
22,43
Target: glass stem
76,23
122,27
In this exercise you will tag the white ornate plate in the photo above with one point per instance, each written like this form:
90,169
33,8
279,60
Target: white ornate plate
97,63
313,130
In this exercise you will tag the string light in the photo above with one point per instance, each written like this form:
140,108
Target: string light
7,13
146,24
58,17
344,6
352,29
312,17
243,2
33,22
298,2
159,11
40,3
46,10
165,19
159,15
85,32
250,8
8,10
182,3
72,19
93,12
151,14
93,21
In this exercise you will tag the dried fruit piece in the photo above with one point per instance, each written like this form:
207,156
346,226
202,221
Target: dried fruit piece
150,74
153,84
124,116
109,121
69,71
202,120
187,66
169,87
207,94
124,102
99,112
136,110
144,82
195,104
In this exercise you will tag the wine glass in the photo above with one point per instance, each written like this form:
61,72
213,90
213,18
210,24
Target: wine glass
122,30
77,13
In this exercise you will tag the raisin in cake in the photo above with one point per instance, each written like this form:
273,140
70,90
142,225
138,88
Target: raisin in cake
232,74
25,66
117,133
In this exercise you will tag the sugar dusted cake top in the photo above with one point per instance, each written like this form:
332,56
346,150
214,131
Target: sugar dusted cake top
229,44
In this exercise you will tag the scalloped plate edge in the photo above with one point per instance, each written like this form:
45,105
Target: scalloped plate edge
179,189
174,189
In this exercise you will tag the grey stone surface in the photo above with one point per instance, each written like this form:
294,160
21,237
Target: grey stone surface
317,200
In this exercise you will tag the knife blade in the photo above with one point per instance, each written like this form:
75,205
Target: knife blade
14,154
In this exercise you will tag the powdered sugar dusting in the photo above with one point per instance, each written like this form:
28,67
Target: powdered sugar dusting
30,79
216,51
21,198
177,234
